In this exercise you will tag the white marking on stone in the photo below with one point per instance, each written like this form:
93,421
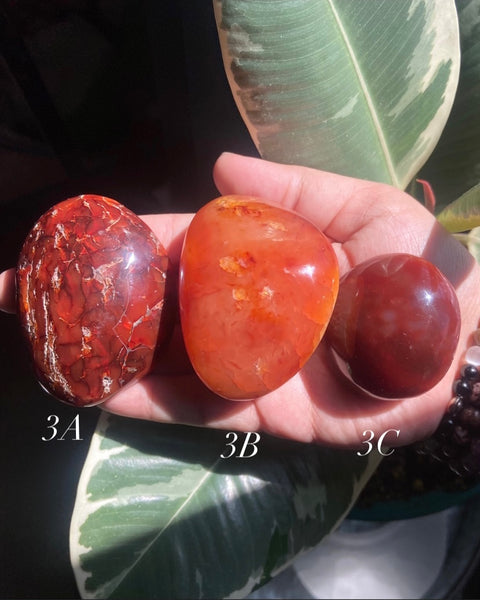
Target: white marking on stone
56,279
107,383
267,293
59,234
51,358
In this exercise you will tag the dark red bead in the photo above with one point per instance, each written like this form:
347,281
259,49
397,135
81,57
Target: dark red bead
475,447
475,395
461,435
470,465
469,372
461,387
470,417
456,406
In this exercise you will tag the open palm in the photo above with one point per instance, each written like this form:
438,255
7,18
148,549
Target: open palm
362,219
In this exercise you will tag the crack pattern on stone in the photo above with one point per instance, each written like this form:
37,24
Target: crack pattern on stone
91,294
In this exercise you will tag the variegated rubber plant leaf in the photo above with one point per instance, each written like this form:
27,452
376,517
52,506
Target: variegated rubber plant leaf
462,214
159,513
462,217
362,88
454,166
473,242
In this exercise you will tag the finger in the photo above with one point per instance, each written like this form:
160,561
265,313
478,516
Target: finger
182,399
337,414
7,291
340,206
170,231
366,219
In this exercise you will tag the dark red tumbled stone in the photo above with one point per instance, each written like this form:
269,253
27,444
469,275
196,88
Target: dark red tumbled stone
91,291
395,326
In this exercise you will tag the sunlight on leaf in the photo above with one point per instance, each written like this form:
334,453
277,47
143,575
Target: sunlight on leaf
358,88
473,243
159,514
454,166
464,213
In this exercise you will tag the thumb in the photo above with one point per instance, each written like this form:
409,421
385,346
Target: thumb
7,291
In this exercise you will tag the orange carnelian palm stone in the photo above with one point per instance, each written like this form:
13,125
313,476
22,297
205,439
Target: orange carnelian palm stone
91,292
257,288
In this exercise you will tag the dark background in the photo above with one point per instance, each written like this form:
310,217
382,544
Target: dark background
123,98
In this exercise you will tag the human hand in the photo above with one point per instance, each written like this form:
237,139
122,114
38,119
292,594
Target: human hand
363,220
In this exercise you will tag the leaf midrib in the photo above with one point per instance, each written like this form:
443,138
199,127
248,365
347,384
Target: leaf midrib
185,503
368,98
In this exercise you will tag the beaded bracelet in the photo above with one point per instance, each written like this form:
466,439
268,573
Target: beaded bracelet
457,439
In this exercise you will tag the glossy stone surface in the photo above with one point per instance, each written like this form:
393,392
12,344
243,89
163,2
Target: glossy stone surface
257,288
395,325
91,289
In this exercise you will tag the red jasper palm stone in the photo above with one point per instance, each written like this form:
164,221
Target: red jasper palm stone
91,290
395,325
257,288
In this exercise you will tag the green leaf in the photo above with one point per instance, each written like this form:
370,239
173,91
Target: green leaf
362,88
454,166
159,514
473,243
463,213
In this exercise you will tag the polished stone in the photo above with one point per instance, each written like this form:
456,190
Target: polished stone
91,292
395,326
257,288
